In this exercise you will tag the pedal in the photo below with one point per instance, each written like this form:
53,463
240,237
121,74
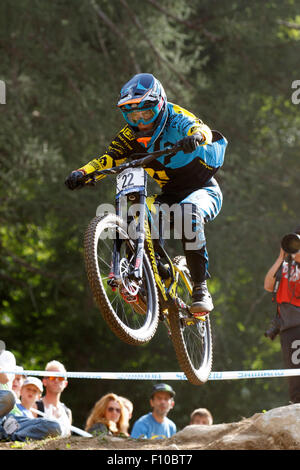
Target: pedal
127,296
200,315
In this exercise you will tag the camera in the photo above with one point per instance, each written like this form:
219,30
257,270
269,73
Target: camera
291,243
274,329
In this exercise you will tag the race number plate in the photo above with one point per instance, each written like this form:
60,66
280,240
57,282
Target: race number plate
130,180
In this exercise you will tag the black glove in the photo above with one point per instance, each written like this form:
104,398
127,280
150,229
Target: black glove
190,143
75,179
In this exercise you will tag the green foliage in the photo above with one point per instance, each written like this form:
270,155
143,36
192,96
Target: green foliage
63,62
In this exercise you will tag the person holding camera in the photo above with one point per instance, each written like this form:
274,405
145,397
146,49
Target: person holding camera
283,279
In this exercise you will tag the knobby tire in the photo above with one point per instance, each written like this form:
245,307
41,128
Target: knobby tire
194,351
146,323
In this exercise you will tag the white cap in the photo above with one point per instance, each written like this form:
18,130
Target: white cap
34,381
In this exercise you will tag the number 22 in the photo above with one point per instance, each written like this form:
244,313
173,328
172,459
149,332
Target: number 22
127,179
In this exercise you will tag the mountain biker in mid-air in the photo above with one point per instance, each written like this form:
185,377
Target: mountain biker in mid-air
186,178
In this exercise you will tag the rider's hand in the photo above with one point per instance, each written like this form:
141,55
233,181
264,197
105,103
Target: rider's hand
190,143
75,179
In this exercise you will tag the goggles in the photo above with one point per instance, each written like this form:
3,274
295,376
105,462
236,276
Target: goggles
136,116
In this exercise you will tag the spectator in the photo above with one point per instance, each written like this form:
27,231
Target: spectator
18,382
286,293
108,416
31,391
14,426
156,425
201,416
128,408
7,397
50,404
128,405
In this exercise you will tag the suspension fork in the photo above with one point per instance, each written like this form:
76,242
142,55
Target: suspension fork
115,263
138,262
139,250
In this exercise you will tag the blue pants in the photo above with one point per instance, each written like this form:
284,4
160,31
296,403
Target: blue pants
20,428
197,208
203,205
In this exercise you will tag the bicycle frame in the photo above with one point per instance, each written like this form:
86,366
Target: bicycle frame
168,293
144,240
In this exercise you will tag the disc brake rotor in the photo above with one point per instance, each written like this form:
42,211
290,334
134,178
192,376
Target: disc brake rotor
129,287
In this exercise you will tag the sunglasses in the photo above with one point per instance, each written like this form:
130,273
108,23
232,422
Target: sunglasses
60,379
111,409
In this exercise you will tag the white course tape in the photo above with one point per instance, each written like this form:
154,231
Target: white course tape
73,428
225,375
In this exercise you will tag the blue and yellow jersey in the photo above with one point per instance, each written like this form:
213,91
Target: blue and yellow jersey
180,172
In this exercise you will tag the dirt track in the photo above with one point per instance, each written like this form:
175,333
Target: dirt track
277,429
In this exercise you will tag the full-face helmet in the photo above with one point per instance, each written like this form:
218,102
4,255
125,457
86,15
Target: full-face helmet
143,101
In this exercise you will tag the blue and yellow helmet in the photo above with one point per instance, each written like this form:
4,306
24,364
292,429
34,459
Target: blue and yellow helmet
143,100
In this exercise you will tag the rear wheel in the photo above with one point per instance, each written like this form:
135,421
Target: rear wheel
191,337
129,308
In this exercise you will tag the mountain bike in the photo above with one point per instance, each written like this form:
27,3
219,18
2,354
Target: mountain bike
132,278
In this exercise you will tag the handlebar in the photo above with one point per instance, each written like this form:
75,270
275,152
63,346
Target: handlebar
134,163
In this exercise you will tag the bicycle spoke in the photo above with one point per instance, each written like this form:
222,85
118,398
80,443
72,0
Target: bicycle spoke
103,261
125,310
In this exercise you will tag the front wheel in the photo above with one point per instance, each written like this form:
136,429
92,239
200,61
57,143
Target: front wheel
191,337
129,308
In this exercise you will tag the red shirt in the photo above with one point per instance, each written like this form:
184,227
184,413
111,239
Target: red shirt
289,290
